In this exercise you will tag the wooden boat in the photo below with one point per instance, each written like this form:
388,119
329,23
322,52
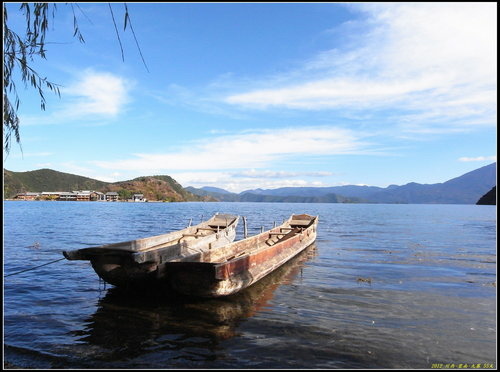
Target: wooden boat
230,268
141,262
216,318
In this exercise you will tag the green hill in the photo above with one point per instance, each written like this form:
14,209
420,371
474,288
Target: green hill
154,188
46,180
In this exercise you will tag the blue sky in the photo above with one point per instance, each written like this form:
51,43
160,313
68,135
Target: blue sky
249,95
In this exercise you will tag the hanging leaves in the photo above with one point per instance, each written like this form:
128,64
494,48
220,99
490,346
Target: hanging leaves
116,30
133,33
20,50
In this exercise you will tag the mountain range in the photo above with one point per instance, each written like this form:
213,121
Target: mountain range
465,189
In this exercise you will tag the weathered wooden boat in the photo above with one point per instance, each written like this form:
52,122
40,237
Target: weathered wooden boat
233,267
141,262
217,318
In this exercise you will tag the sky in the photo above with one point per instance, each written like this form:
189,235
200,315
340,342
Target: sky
264,95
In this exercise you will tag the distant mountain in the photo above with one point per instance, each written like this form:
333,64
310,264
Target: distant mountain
328,198
490,198
349,191
154,188
224,196
289,196
215,189
466,189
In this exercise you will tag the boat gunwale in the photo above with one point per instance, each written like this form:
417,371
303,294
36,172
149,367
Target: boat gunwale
125,248
223,270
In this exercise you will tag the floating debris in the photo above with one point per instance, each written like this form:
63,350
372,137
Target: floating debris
364,280
494,284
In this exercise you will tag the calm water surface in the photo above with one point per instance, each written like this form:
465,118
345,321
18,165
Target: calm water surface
384,286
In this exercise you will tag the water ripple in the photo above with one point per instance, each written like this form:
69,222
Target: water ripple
384,286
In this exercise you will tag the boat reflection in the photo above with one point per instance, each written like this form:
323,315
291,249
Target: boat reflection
131,325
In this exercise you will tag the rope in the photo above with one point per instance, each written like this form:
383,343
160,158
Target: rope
36,267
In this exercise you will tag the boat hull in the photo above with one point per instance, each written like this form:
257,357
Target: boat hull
215,279
141,263
124,271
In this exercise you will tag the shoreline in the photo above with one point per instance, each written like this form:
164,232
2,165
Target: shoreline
93,201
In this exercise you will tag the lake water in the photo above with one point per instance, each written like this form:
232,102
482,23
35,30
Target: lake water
384,286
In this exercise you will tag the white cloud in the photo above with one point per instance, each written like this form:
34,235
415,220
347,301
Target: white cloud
333,93
253,173
227,181
478,158
93,96
432,61
256,149
32,154
98,93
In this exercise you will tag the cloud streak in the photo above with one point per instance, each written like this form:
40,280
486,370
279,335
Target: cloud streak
334,93
478,158
237,182
32,154
252,173
251,149
426,60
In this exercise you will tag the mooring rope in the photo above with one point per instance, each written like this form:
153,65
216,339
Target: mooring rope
36,267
